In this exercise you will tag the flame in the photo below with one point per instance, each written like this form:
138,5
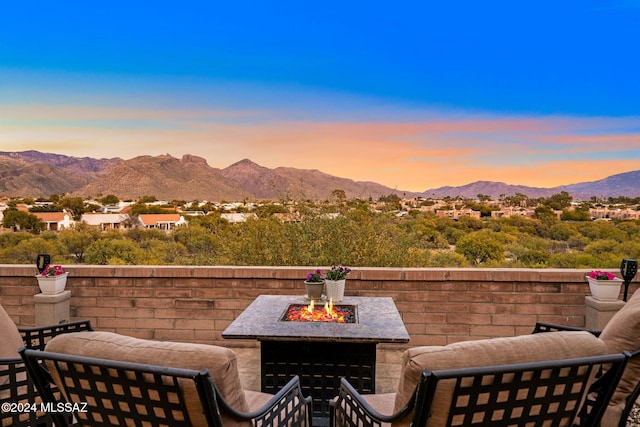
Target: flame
312,314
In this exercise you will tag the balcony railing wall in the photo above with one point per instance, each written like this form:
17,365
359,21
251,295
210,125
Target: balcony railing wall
196,304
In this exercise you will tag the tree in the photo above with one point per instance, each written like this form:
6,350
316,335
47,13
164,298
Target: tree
147,199
78,239
575,215
339,195
74,205
113,252
109,199
559,201
14,218
480,247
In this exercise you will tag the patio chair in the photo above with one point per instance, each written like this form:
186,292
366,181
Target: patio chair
539,379
15,386
621,333
132,381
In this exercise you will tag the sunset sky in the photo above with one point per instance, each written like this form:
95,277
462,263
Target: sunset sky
411,94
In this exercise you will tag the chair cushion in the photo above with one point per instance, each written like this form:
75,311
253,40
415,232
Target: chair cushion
491,352
11,340
622,333
221,362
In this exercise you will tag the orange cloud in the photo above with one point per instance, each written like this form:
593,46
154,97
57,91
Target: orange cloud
411,156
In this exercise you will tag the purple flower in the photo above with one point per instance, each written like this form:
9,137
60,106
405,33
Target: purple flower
315,276
338,272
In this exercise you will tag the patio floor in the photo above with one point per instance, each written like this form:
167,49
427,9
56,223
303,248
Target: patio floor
388,366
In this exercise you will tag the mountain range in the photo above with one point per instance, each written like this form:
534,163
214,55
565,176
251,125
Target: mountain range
36,174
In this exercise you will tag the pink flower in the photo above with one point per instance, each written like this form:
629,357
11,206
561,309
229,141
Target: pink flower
52,270
601,275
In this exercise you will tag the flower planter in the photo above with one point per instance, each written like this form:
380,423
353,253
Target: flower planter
605,290
314,290
52,285
335,289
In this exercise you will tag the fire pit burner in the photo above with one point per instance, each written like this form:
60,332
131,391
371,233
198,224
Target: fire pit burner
328,313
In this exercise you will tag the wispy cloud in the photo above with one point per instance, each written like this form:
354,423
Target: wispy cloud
447,149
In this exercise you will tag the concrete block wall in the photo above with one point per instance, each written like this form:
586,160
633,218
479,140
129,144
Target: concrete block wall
196,304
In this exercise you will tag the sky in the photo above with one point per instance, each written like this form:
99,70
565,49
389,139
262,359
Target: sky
413,95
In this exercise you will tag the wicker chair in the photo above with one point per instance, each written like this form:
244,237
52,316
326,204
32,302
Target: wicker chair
122,393
539,379
133,381
15,386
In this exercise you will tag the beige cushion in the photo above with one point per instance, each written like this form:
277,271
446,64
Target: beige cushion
11,340
221,362
620,334
489,352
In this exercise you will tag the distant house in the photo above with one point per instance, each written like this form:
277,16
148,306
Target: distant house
162,221
106,221
457,213
55,221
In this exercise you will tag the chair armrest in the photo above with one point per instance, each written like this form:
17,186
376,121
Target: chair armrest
350,409
287,407
550,327
37,338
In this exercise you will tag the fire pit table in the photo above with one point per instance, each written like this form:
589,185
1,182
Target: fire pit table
320,352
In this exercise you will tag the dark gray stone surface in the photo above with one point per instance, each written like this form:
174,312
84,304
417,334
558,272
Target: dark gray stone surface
378,322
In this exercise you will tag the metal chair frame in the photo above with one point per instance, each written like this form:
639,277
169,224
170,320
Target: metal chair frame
531,394
603,383
101,392
18,387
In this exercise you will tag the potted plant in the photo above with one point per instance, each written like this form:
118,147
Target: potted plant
336,280
314,285
52,280
604,286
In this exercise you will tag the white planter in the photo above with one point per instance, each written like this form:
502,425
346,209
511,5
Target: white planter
605,290
314,290
335,289
52,285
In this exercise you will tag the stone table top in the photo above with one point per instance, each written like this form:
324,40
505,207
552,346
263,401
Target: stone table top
378,322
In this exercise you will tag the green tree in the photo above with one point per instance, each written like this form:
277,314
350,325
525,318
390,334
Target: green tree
113,252
26,251
147,199
480,247
575,215
109,199
74,205
78,239
559,201
14,218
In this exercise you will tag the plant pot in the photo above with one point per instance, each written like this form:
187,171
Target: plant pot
314,290
335,289
605,290
52,285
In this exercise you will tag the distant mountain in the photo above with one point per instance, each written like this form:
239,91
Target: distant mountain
36,174
624,184
164,177
283,183
489,188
